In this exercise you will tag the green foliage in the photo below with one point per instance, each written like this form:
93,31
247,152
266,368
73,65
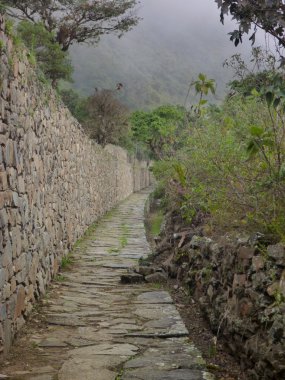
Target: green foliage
155,221
203,85
9,27
264,14
60,278
54,63
161,129
279,297
75,103
262,70
231,166
76,21
67,261
2,46
2,8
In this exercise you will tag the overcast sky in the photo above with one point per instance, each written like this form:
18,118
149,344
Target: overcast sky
198,17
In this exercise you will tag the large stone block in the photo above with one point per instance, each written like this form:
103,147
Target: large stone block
20,302
3,277
11,153
3,180
6,258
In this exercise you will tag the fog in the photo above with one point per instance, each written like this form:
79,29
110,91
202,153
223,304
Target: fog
156,61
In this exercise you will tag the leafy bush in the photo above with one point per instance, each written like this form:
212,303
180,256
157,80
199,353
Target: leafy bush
232,164
161,130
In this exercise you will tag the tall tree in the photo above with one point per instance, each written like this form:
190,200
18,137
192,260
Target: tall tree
268,15
106,119
76,20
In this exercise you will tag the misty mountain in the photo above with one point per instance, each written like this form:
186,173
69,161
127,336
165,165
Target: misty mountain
156,61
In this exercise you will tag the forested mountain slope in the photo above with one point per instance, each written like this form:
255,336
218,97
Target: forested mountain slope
158,59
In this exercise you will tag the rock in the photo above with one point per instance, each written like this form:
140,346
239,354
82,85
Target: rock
243,240
210,292
277,253
132,278
239,280
144,270
245,252
277,330
157,297
157,278
245,307
172,270
257,263
20,304
200,242
52,342
282,283
2,277
195,242
278,287
259,280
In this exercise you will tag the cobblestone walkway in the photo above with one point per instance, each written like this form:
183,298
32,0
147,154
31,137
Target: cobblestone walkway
94,328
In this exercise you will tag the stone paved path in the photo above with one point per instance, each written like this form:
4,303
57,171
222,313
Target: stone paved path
98,329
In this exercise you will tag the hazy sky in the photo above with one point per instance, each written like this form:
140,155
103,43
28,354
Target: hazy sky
198,17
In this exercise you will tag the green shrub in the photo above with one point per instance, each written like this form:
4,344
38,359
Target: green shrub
232,165
54,62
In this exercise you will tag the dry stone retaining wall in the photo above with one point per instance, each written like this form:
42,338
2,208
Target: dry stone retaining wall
54,182
239,282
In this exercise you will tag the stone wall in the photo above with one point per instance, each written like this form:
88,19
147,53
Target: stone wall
239,283
54,183
241,289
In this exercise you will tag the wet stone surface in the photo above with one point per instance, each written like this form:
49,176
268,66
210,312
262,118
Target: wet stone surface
94,327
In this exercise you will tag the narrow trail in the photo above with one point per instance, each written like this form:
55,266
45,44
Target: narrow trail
91,327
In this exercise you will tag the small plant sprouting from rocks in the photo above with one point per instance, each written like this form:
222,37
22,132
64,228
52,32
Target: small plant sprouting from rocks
88,234
206,273
123,239
67,261
273,274
9,28
113,250
156,221
278,297
119,376
60,278
32,58
157,285
2,46
35,345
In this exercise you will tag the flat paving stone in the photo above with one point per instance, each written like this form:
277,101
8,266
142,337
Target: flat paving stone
154,297
96,328
176,374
